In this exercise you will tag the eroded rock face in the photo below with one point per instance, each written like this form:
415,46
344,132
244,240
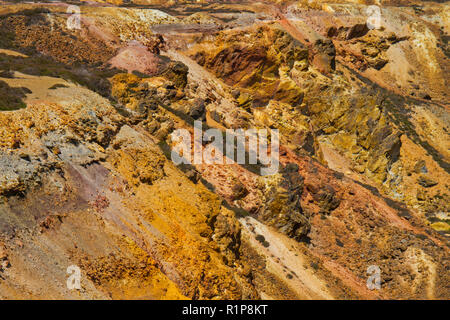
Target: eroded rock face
282,206
254,68
86,177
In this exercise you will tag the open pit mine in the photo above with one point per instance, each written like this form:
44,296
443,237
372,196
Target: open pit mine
94,96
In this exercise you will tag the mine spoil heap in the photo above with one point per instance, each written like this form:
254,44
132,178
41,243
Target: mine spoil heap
89,102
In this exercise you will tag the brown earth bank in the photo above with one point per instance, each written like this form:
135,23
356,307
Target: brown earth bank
88,118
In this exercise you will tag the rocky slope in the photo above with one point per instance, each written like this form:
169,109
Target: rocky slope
87,118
